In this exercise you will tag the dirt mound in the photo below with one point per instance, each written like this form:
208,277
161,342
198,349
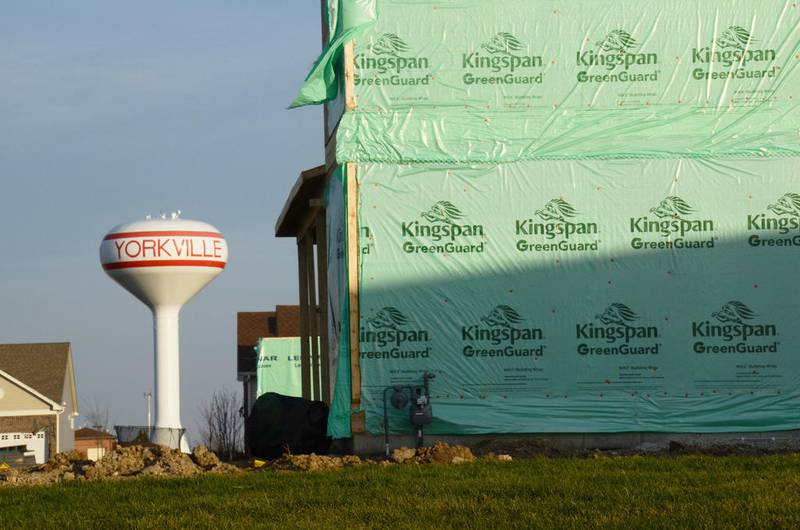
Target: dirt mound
442,453
205,458
312,462
135,460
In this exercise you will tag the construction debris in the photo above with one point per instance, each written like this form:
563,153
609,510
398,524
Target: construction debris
160,461
135,460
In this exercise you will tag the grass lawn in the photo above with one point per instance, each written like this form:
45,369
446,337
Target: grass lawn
642,492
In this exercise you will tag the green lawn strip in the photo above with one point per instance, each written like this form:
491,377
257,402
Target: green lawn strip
632,492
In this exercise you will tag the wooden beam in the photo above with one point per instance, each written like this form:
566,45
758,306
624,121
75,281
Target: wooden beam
353,257
350,75
325,38
313,319
322,272
302,273
307,226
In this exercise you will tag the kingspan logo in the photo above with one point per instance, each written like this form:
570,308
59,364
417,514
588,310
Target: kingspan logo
617,51
502,333
502,54
389,63
784,220
733,48
389,44
390,335
443,227
617,330
619,41
734,332
671,220
557,225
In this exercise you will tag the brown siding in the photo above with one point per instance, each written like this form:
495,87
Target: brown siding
84,444
288,320
253,325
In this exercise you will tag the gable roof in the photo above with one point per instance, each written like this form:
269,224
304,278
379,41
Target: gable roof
87,433
32,391
310,185
42,366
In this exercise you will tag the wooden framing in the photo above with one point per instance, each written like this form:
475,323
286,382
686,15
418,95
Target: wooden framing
305,365
303,217
313,318
353,258
350,75
322,281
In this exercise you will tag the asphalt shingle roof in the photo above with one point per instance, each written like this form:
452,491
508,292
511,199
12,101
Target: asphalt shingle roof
41,366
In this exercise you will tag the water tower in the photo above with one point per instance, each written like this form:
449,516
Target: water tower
164,262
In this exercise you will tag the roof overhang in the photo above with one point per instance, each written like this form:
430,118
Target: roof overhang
49,402
308,189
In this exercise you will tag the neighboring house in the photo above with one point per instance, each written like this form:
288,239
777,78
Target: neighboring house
250,327
38,398
93,444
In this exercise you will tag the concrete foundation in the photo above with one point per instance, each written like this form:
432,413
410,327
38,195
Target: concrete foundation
372,445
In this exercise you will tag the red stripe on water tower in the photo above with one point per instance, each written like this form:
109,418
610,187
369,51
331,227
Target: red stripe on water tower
161,233
163,263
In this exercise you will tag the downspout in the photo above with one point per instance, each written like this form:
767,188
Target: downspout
58,431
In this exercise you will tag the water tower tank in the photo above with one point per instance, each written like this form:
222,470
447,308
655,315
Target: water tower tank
164,262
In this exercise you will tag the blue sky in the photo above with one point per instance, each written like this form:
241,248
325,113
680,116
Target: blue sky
111,110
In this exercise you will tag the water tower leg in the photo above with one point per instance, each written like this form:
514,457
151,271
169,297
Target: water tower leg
167,375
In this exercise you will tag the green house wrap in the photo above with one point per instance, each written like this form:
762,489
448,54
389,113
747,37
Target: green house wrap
581,216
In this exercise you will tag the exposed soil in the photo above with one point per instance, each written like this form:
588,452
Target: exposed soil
129,461
524,449
139,461
160,461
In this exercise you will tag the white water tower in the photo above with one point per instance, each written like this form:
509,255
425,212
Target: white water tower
164,262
